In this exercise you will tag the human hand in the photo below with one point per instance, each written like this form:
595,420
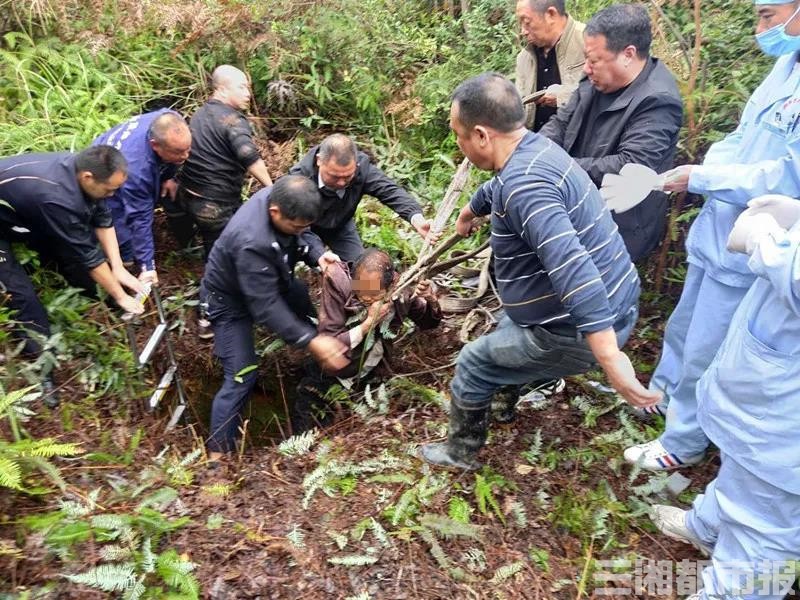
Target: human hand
622,377
124,278
465,223
376,312
130,304
328,352
785,209
547,100
424,289
749,228
327,259
423,228
169,188
150,277
677,179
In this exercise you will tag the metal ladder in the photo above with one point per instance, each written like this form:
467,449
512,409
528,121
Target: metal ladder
161,334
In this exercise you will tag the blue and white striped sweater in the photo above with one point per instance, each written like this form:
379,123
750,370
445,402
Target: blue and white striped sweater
558,256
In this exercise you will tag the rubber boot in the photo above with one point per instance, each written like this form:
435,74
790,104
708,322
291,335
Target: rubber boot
466,435
504,403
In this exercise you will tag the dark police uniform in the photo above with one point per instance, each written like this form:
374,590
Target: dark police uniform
249,280
335,224
46,209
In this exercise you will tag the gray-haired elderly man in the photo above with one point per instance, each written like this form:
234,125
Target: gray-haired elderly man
627,110
345,175
552,56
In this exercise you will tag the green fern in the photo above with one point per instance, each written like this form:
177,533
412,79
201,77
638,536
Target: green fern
176,572
448,528
459,509
296,536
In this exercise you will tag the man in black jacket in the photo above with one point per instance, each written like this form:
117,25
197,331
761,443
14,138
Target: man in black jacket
223,151
250,280
627,110
344,175
55,204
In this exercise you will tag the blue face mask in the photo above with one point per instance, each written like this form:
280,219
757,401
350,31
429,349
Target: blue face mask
776,42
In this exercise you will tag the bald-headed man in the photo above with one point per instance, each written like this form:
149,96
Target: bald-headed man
223,151
153,144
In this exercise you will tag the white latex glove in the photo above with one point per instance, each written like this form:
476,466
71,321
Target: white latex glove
785,209
749,228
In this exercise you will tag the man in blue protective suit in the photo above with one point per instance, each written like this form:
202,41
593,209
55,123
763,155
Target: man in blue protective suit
762,156
749,516
154,144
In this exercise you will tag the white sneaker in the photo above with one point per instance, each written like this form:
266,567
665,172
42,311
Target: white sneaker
653,457
671,521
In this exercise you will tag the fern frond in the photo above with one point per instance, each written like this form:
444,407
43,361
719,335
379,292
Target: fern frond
353,560
114,552
448,528
113,522
47,448
10,474
148,561
108,578
296,536
506,572
297,445
159,499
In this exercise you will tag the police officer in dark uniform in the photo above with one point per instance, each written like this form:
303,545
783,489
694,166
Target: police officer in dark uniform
54,203
249,280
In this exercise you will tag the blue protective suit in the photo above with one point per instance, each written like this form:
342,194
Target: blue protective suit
133,204
749,406
762,156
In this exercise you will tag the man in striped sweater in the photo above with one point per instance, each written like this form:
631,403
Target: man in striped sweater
565,278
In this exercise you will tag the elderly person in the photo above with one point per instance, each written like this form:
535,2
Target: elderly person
354,309
553,55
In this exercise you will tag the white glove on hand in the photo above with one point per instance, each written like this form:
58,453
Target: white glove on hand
785,209
749,228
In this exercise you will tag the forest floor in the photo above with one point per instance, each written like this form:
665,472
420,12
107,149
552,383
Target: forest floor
359,515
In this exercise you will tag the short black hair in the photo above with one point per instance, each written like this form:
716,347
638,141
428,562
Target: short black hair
374,260
541,6
101,161
297,197
623,25
491,100
339,148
